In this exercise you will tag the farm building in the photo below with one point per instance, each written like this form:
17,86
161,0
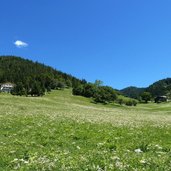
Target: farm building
6,87
160,99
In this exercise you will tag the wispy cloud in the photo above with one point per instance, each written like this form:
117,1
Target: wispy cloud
20,44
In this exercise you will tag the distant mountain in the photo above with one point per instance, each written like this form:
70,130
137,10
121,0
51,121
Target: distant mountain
132,92
28,75
160,88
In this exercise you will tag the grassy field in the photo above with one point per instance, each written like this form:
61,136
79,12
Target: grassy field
68,133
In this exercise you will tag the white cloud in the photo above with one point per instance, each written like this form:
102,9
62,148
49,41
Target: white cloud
20,44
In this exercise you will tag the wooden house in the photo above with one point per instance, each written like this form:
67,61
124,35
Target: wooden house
160,99
6,87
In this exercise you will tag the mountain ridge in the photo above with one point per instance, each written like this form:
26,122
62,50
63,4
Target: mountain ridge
158,88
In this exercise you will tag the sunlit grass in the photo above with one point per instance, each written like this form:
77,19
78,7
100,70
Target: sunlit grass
64,132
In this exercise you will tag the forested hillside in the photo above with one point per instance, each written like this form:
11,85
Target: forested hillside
160,88
32,77
132,92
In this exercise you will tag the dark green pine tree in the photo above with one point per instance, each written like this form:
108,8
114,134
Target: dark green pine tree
19,89
37,89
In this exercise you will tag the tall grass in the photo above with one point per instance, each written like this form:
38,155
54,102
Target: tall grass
64,132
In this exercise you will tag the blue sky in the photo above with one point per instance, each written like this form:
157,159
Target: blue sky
120,42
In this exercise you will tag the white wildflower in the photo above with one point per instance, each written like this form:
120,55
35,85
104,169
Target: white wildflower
119,164
117,138
26,162
100,144
22,160
15,160
78,148
143,161
115,158
159,147
138,150
11,152
127,151
111,166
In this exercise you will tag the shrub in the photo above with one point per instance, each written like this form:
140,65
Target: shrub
105,94
78,90
146,96
134,102
120,101
129,103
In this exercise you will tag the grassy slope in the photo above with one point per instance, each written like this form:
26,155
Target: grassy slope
64,132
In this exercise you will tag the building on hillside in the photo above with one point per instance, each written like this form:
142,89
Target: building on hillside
6,87
160,99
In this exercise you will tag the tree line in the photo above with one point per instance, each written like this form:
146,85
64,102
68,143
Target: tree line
32,78
150,93
101,94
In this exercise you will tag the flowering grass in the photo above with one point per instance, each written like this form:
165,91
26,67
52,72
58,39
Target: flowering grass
64,132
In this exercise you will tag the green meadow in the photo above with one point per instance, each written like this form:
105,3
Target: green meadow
62,132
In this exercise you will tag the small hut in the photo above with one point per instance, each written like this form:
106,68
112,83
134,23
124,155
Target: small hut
160,99
6,87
